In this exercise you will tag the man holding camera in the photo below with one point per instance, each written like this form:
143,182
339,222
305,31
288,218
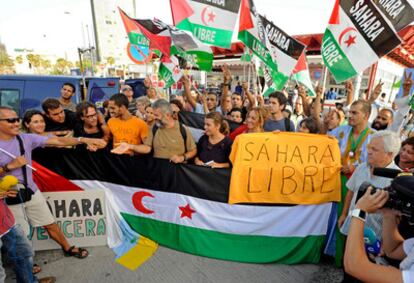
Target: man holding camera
356,261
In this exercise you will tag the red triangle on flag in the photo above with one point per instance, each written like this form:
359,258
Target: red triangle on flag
161,42
180,10
128,23
334,19
246,21
301,64
49,181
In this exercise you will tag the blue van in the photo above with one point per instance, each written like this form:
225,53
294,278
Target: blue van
22,92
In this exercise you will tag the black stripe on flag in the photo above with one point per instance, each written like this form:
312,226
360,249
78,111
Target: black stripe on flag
137,171
154,27
282,40
196,120
400,13
229,5
371,25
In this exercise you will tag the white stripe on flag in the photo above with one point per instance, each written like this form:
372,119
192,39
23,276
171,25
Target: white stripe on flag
276,221
360,54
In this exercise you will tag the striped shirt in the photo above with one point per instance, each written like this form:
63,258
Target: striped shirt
363,174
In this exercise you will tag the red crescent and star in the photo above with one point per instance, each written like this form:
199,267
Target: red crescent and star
210,15
351,39
186,211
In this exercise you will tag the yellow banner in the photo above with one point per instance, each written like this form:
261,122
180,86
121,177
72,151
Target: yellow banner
284,167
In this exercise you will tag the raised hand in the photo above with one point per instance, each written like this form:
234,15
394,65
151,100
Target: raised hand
408,83
226,74
377,89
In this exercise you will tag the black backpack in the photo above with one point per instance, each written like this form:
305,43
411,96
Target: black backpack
287,125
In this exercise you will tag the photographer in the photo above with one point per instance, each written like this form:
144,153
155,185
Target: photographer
356,261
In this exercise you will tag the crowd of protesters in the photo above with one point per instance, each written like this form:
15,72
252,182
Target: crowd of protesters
369,135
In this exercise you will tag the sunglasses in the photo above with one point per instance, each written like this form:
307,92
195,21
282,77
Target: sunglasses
125,89
11,120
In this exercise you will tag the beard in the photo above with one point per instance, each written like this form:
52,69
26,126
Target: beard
379,127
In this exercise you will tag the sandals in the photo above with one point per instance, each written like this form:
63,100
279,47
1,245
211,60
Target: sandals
81,253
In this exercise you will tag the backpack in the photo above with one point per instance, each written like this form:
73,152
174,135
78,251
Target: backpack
182,131
287,125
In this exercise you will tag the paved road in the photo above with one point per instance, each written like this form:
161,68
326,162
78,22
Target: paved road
171,266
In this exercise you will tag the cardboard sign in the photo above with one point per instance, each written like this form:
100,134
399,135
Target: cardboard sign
291,168
80,215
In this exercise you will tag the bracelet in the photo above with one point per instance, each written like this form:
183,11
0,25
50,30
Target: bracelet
79,139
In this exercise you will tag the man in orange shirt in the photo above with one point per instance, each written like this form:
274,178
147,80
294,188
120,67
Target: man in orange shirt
123,126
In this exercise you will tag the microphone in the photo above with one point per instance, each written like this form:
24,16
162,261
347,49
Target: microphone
387,172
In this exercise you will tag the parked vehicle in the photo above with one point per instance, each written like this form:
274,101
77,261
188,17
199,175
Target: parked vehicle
22,92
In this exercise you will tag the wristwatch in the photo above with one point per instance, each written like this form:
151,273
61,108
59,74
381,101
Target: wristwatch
358,213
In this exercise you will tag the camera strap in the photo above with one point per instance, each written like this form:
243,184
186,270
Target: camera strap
22,152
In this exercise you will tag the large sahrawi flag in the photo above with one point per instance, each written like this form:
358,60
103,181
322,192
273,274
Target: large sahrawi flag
357,36
284,50
212,22
253,35
185,208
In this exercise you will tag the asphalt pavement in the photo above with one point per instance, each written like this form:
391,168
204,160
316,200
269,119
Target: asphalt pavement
175,267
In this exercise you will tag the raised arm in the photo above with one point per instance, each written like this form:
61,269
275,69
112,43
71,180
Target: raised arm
349,87
187,91
376,92
303,96
226,84
250,97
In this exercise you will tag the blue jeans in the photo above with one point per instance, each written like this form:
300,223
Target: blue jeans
19,251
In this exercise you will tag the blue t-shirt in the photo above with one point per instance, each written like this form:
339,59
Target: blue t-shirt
30,142
273,125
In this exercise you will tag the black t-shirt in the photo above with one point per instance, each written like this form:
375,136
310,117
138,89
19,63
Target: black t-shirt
79,131
218,152
67,125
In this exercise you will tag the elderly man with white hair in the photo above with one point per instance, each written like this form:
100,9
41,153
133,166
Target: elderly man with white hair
382,149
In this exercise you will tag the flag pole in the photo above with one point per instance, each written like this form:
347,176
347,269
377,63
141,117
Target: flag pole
13,156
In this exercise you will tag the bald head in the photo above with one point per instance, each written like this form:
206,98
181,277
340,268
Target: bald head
383,119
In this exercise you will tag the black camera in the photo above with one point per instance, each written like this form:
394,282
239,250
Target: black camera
400,192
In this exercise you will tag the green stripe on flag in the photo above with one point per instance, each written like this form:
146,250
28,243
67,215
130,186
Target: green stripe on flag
139,39
257,47
209,35
335,59
242,248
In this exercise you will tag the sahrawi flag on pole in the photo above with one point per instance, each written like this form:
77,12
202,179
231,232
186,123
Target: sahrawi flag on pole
159,36
357,36
170,72
187,46
284,50
212,22
252,33
301,74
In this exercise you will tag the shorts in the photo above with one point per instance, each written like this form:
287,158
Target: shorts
36,210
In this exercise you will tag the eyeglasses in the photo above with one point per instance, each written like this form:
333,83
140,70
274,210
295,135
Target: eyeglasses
125,89
11,120
91,116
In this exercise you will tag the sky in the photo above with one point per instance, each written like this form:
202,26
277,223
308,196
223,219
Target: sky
60,27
